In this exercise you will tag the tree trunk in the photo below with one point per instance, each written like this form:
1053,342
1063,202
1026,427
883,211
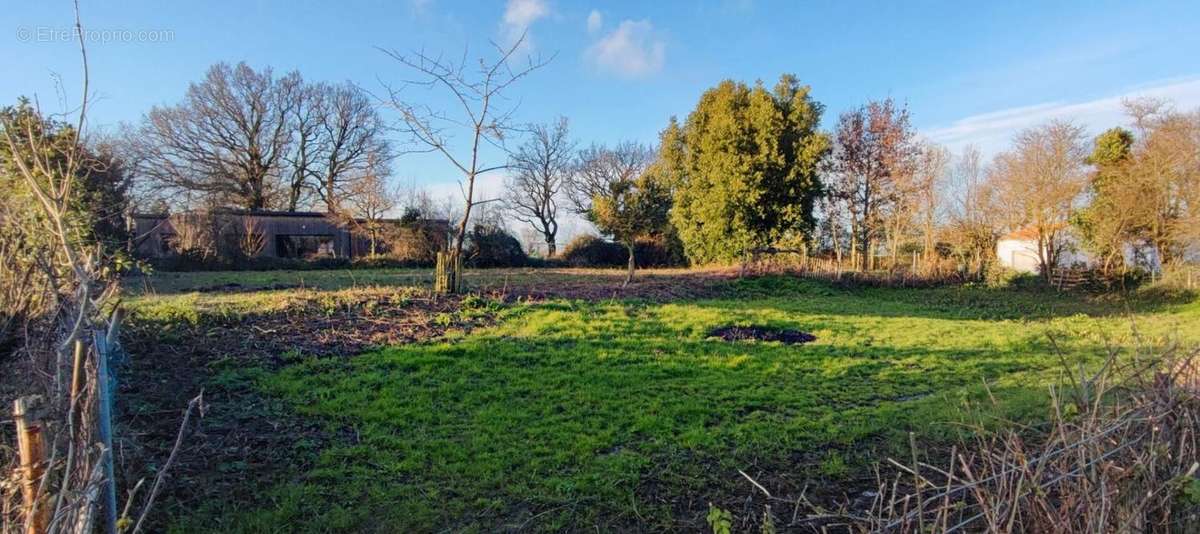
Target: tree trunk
461,237
632,265
551,247
294,198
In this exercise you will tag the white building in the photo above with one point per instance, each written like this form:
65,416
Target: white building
1019,251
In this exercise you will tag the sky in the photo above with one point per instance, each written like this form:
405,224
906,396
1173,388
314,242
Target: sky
970,72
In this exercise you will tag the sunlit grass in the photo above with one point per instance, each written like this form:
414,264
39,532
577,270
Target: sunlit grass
569,415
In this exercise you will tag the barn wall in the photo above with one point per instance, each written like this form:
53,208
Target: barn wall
1022,254
1019,255
152,229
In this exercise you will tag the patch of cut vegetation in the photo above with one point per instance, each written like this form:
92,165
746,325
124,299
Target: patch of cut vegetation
588,284
226,344
761,333
621,415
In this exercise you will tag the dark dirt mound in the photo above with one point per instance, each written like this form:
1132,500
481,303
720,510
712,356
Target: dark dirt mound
762,333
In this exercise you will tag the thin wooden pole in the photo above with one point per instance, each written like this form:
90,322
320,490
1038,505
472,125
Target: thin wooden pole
76,387
104,383
32,450
76,373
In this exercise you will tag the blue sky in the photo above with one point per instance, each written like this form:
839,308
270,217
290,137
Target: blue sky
971,72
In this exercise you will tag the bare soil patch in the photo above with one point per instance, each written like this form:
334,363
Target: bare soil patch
246,441
762,333
660,285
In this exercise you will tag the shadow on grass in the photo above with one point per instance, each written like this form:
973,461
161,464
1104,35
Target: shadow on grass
965,301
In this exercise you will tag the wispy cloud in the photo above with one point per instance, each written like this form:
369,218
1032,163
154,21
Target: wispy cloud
594,21
992,131
519,15
632,50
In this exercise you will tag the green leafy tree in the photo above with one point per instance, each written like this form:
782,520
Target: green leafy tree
97,198
630,209
744,168
1109,221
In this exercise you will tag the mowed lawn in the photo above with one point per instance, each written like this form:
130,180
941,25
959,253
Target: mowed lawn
624,415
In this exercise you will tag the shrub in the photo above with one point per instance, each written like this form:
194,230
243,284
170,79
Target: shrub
661,251
414,241
592,251
492,246
1118,455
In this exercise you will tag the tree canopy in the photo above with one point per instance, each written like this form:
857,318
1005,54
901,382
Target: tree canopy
744,168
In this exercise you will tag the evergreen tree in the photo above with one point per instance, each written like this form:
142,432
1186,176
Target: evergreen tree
744,168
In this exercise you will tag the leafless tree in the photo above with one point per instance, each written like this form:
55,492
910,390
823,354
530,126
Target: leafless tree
367,200
972,220
302,158
1039,181
227,139
540,168
871,170
928,197
598,169
1162,180
351,141
478,95
414,202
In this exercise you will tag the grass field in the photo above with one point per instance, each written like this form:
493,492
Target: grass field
625,415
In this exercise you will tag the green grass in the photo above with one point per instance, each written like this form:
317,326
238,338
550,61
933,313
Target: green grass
624,415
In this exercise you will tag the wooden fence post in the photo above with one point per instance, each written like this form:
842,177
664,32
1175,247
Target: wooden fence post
439,274
447,276
31,444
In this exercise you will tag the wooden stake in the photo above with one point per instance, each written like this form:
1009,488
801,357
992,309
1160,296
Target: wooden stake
32,449
76,373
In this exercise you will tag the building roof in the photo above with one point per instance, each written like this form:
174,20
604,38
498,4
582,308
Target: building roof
256,213
1029,233
282,214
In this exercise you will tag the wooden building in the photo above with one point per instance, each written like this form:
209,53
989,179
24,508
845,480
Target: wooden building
275,234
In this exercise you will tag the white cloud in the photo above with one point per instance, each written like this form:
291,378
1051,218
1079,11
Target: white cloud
632,50
519,15
594,21
991,132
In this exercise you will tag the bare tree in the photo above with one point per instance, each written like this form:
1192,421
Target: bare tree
366,201
540,168
929,179
478,94
307,112
227,139
1163,178
599,171
871,170
1040,181
351,141
972,221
